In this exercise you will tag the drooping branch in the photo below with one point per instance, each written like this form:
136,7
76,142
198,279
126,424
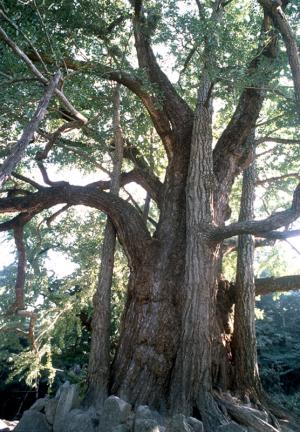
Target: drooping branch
53,138
277,284
27,180
18,151
64,100
131,228
264,227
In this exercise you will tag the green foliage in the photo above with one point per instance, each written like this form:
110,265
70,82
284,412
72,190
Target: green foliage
279,347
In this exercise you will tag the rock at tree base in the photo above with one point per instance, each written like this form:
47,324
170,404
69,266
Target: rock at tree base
40,404
80,421
231,427
144,412
115,412
178,423
122,428
146,425
33,421
196,424
50,410
68,399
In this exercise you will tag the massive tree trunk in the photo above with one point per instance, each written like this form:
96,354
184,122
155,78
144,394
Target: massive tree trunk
150,327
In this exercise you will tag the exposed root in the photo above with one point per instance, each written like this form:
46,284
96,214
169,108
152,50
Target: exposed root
249,417
286,419
212,414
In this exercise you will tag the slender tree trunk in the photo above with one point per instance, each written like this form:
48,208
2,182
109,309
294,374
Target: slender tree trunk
99,360
244,339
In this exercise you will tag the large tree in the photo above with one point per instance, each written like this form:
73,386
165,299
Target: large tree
174,348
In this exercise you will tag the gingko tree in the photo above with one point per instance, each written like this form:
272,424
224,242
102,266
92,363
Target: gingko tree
176,351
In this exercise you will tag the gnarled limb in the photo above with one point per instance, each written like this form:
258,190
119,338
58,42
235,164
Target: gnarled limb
262,228
174,109
131,228
231,245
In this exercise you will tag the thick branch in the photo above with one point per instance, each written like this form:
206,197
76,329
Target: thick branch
99,361
131,228
18,151
175,109
261,227
280,284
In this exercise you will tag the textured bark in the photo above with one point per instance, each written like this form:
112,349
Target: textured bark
99,359
19,149
150,324
192,377
244,337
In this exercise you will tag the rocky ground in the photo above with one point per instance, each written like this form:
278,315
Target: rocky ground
64,414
